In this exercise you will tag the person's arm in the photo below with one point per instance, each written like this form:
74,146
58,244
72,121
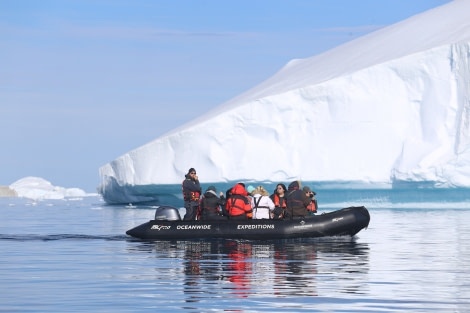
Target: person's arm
270,203
306,199
221,201
196,182
249,205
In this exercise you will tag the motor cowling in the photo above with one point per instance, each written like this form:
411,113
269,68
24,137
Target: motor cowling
167,213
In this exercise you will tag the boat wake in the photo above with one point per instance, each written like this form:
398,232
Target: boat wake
51,237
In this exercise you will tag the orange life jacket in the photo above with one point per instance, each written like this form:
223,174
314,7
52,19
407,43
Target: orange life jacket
312,206
276,201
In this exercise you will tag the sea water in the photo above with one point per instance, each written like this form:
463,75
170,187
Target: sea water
73,256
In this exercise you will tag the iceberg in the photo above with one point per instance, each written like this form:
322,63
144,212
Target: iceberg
37,188
392,106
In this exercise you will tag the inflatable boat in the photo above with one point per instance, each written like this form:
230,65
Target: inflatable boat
168,225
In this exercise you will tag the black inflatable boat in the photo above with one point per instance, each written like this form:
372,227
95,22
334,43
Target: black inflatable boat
168,225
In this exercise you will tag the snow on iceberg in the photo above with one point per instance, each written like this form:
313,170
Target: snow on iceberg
392,106
37,188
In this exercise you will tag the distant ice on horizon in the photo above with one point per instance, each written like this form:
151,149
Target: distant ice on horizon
392,106
37,188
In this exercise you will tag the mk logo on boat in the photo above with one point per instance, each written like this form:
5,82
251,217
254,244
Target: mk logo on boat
160,227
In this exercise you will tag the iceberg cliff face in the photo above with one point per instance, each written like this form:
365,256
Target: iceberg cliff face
391,106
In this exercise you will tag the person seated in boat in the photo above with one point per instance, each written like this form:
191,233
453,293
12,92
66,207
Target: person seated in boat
261,204
238,205
279,199
297,201
312,206
211,203
250,190
191,194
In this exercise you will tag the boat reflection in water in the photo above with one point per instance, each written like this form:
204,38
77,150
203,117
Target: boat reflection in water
281,268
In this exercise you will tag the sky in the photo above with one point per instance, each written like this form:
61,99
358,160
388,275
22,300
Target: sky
83,82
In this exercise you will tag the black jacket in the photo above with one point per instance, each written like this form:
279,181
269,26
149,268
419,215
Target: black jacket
191,189
297,201
210,204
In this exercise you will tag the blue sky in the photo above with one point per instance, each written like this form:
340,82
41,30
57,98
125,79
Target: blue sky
83,82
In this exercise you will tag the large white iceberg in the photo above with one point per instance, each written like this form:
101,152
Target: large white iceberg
390,106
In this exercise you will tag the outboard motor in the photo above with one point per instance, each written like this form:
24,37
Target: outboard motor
167,213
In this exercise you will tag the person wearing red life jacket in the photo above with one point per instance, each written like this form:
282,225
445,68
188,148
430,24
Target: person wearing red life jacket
238,204
191,194
250,189
312,206
280,201
297,201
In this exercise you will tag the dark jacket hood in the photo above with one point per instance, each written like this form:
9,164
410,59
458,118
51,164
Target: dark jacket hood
210,194
295,185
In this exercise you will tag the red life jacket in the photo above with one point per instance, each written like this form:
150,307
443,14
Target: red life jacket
238,203
190,195
276,201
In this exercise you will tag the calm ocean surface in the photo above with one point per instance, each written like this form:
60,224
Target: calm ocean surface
74,256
